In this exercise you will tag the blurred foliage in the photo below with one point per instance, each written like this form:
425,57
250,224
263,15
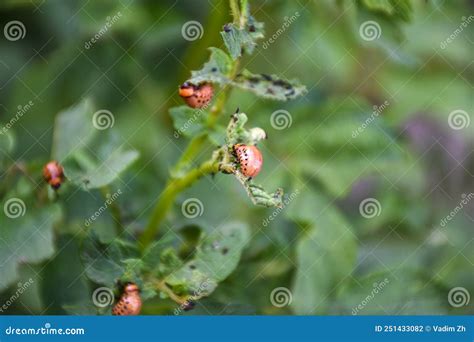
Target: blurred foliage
318,245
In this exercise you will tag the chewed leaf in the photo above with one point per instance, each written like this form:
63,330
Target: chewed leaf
269,86
238,40
257,193
104,263
217,255
187,121
107,171
215,70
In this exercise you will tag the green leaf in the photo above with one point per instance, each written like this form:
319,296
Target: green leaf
217,255
400,9
400,293
325,255
25,239
107,172
7,144
216,70
73,129
188,121
103,263
269,86
238,40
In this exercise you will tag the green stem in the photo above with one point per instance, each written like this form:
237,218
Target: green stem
167,197
175,185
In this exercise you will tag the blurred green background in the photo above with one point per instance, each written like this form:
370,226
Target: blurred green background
327,253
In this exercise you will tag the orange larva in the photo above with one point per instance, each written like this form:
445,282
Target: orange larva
196,96
53,173
130,303
250,159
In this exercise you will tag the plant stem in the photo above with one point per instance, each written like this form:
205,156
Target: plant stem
175,185
167,197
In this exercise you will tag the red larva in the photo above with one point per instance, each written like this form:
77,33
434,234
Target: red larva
53,173
130,303
196,96
250,159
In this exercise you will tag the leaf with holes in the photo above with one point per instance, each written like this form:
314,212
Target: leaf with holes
217,255
269,86
216,70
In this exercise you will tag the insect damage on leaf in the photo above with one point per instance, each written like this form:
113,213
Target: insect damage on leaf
238,40
216,70
217,255
269,86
